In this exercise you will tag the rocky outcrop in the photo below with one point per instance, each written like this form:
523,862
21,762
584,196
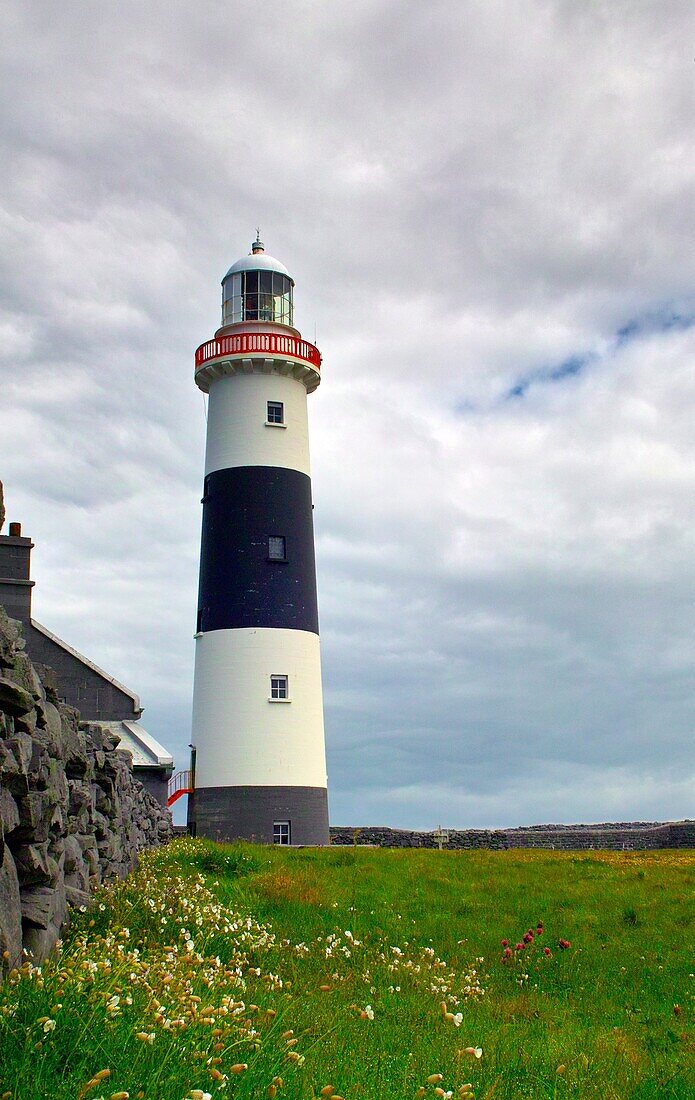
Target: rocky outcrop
72,815
621,836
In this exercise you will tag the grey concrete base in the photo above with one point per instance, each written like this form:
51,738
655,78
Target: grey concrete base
248,813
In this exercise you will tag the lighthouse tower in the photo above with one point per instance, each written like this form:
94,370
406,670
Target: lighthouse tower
258,741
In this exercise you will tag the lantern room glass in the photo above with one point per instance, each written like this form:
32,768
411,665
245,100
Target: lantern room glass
257,296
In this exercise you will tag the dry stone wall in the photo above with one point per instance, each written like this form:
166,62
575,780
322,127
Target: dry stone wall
72,815
610,836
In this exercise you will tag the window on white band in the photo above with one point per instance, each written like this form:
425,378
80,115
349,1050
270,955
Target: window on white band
279,687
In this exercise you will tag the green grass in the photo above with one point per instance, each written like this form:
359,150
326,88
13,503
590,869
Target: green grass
608,1017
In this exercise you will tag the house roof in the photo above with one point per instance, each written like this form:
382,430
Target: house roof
86,661
145,750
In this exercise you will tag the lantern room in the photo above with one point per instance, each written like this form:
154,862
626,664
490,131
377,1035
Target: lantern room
257,288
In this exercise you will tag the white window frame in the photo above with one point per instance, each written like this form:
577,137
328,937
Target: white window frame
278,827
275,423
279,699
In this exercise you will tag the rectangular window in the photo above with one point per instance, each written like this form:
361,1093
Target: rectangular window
265,307
281,832
276,412
279,687
277,548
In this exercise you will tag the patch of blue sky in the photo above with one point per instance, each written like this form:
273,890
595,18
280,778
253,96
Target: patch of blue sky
465,405
672,318
568,368
664,319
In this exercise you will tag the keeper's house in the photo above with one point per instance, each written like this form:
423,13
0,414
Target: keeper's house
80,683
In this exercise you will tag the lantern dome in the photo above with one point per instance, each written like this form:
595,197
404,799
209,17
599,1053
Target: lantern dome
257,288
257,261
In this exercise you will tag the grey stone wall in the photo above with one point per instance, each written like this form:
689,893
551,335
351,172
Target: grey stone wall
610,836
71,813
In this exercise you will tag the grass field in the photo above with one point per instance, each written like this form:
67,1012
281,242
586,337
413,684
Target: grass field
356,973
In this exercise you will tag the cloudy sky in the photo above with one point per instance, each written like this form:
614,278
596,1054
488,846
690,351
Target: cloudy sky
487,208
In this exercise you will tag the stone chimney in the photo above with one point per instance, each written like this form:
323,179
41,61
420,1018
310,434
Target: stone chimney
15,561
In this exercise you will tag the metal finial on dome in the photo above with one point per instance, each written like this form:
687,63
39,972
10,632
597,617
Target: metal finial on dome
257,245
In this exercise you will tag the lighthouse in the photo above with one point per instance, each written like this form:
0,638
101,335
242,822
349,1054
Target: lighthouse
258,751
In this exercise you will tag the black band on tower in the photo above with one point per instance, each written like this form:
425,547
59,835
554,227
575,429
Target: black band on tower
249,813
244,582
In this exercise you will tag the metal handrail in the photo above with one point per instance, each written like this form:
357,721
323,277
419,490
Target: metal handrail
181,783
248,343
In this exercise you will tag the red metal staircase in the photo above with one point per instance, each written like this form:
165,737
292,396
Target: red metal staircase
180,783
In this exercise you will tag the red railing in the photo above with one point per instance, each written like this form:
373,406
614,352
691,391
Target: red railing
180,783
255,343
